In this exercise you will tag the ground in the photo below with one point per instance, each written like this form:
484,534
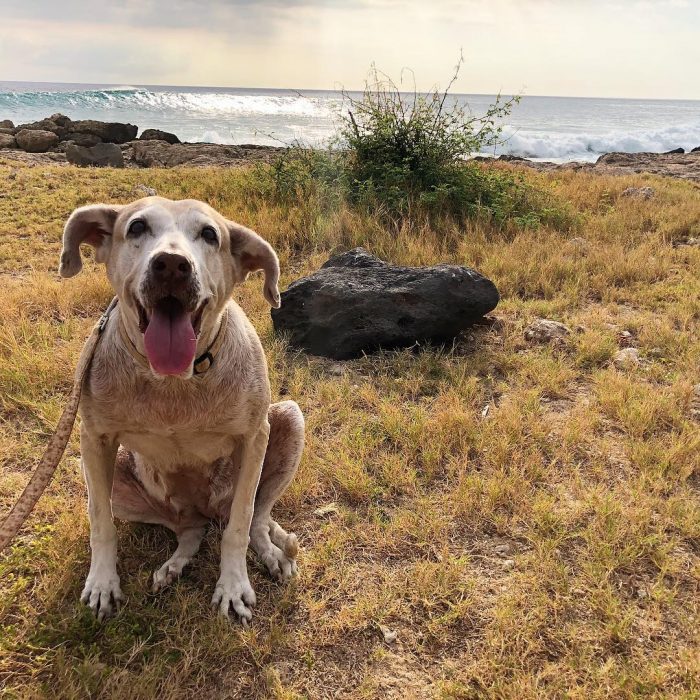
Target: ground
496,519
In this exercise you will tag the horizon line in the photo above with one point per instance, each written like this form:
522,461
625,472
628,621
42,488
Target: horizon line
127,86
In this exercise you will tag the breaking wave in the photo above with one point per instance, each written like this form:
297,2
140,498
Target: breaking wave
589,146
128,98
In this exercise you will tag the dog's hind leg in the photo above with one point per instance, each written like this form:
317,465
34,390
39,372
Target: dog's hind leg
188,543
273,545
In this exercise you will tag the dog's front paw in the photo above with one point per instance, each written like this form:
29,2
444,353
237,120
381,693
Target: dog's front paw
237,593
102,594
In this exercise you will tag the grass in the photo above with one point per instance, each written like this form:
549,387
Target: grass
548,547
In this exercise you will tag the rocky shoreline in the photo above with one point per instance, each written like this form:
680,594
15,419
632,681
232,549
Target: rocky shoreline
678,164
61,140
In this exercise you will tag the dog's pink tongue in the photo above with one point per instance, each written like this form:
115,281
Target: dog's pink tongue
170,340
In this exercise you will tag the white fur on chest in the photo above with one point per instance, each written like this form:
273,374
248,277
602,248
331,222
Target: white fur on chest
175,421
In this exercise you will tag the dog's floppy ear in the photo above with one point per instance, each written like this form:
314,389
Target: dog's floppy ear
92,225
253,253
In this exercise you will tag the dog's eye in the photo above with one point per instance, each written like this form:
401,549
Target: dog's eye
136,228
210,235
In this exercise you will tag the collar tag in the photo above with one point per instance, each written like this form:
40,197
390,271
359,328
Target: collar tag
203,363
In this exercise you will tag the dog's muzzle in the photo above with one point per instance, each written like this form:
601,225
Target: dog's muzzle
170,313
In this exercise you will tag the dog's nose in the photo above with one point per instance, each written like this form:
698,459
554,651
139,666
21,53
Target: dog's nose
171,267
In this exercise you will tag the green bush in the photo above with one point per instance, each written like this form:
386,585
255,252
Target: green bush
405,155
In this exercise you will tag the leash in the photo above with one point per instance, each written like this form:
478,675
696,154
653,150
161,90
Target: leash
57,444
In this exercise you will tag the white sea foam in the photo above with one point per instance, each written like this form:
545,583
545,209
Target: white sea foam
121,88
588,146
225,103
212,136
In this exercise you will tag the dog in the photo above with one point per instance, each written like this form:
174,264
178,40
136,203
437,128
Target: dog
177,426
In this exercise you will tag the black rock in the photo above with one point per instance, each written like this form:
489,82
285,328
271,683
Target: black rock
82,139
696,150
674,152
101,155
36,140
61,120
44,125
158,135
357,257
109,132
357,303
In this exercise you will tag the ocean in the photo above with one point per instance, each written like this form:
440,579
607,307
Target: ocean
545,128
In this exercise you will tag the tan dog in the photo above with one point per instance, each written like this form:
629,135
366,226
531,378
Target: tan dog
177,426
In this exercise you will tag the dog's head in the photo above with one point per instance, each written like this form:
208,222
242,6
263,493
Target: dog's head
173,265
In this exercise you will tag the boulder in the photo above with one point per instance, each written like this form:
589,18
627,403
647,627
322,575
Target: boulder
159,154
357,303
110,132
7,141
544,330
61,120
638,192
36,140
674,152
685,166
7,124
82,139
44,125
102,155
626,358
158,135
4,130
145,190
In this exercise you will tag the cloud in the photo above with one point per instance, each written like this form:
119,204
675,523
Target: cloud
213,16
596,47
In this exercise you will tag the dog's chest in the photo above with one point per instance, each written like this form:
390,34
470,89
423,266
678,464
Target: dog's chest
172,424
178,447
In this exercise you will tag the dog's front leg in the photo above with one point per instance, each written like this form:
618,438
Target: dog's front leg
102,592
233,589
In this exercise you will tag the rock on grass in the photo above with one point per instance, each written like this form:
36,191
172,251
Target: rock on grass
544,330
357,303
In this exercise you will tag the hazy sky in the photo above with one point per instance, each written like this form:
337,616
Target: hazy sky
623,48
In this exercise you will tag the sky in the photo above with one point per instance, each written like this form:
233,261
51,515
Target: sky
598,48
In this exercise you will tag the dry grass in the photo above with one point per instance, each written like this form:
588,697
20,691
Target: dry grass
547,549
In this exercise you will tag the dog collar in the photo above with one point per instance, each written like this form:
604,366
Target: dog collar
201,364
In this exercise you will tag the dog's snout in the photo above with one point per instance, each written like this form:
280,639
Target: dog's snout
171,267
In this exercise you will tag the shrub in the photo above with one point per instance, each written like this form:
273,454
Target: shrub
404,155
